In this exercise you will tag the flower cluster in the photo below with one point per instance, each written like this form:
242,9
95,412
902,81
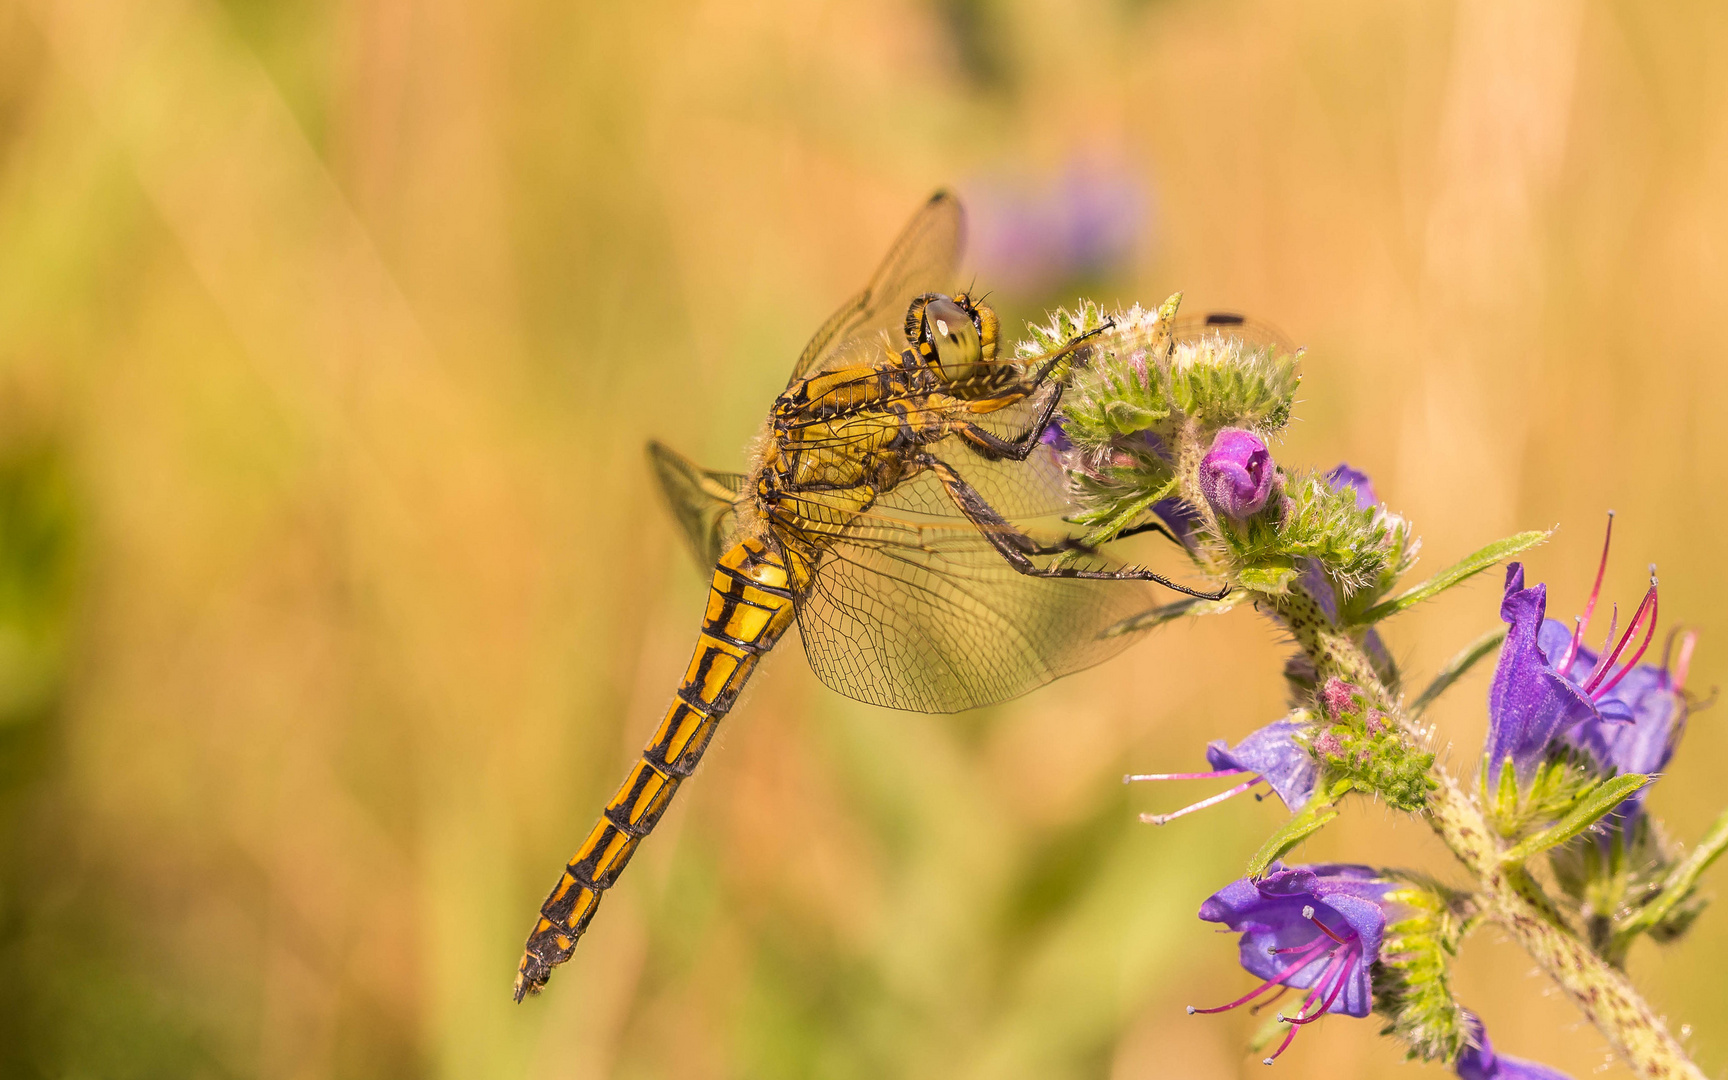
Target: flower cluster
1171,422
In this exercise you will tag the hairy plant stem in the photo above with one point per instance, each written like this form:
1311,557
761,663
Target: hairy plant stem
1507,893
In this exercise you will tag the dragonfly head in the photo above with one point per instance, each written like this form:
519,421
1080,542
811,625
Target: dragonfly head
956,338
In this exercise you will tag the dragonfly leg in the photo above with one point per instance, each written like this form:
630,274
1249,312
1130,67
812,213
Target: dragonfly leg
1149,526
1018,548
1068,350
994,447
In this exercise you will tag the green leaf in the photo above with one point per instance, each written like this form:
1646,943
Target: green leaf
1680,882
1309,821
1458,572
1585,813
1107,526
1128,418
1457,667
1158,616
1271,579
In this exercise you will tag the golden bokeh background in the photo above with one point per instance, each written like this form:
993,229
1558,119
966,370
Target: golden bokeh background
338,598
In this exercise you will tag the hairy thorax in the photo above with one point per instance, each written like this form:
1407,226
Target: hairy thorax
833,443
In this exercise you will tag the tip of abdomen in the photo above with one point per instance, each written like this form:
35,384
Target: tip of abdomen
548,946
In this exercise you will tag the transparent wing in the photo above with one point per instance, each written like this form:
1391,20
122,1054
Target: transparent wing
923,259
703,502
1034,488
929,617
1228,324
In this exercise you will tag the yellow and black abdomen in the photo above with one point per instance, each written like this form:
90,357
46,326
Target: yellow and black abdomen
749,607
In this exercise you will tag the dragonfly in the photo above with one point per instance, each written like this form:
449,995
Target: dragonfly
884,514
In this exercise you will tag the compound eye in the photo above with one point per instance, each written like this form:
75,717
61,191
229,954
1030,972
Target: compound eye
959,349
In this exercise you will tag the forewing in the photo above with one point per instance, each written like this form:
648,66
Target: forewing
923,259
1034,488
702,501
930,618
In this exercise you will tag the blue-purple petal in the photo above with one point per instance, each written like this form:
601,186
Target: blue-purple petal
1274,753
1313,581
1641,722
1180,517
1345,477
1529,704
1480,1062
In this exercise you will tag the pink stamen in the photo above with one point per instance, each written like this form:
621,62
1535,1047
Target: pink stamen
1308,913
1590,605
1683,666
1602,660
1161,819
1134,777
1646,607
1254,1010
1337,987
1289,1037
1300,963
1571,654
1314,991
1337,973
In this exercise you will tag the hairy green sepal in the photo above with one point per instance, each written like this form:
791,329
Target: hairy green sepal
1590,807
1413,980
1456,574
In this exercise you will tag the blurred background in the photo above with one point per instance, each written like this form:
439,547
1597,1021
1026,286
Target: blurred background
335,596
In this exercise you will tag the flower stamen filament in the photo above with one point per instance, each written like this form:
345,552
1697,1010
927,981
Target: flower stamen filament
1213,800
1583,621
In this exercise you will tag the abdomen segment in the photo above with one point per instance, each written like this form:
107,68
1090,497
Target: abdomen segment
749,607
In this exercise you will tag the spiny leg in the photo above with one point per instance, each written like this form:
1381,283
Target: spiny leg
1068,350
994,447
1155,526
1018,548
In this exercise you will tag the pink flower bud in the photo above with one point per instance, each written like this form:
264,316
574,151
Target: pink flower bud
1236,474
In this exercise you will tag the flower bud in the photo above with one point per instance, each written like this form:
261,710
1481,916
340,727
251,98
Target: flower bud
1338,698
1236,474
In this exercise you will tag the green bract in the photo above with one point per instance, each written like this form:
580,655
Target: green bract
1413,985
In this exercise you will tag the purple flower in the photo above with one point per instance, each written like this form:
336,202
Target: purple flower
1180,518
1236,474
1314,928
1272,755
1480,1062
1549,689
1344,476
1529,703
1034,237
1641,720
